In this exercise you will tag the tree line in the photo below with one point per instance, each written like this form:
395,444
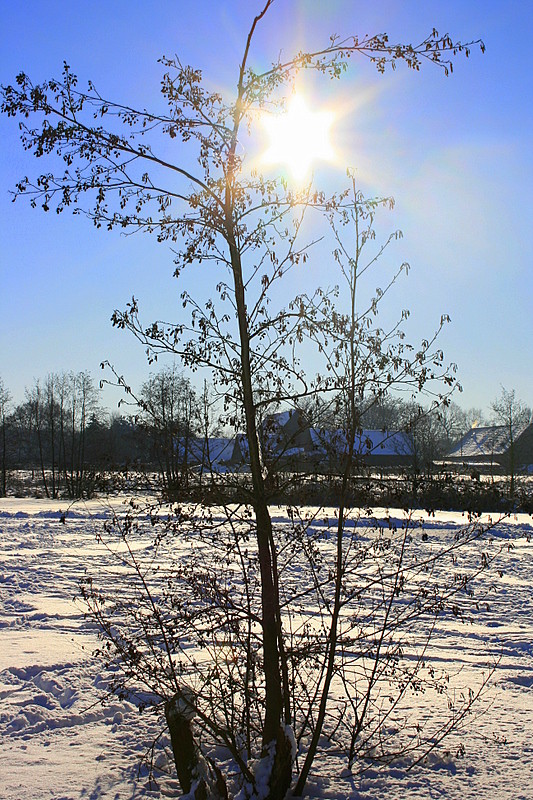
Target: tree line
69,441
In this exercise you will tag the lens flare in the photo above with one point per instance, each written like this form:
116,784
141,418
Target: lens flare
298,138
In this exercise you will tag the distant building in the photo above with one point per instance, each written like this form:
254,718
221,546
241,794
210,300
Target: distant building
376,447
211,454
238,455
491,446
290,443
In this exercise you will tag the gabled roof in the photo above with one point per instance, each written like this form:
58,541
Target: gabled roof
240,451
367,443
385,443
212,450
209,452
485,442
223,453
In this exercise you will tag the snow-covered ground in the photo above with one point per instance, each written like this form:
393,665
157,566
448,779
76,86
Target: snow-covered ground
59,741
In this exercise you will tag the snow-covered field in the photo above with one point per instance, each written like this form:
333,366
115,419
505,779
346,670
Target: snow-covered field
59,741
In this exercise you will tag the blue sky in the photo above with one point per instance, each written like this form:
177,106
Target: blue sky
454,152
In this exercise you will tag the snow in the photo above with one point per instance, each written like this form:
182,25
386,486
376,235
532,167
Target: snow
60,741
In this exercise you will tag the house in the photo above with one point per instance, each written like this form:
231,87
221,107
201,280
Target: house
376,448
285,439
385,448
290,443
491,446
211,454
238,455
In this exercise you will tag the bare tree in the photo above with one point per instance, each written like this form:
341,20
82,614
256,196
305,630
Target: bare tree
82,404
169,412
366,363
37,418
5,400
513,415
58,412
121,176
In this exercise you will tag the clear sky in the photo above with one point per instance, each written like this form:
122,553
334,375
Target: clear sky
456,153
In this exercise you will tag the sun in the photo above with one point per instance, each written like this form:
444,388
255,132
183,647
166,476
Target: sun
298,138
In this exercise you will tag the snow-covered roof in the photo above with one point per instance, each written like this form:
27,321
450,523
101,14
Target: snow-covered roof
209,452
369,442
484,442
385,443
212,450
221,452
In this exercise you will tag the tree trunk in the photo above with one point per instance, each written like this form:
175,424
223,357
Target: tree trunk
193,771
273,731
